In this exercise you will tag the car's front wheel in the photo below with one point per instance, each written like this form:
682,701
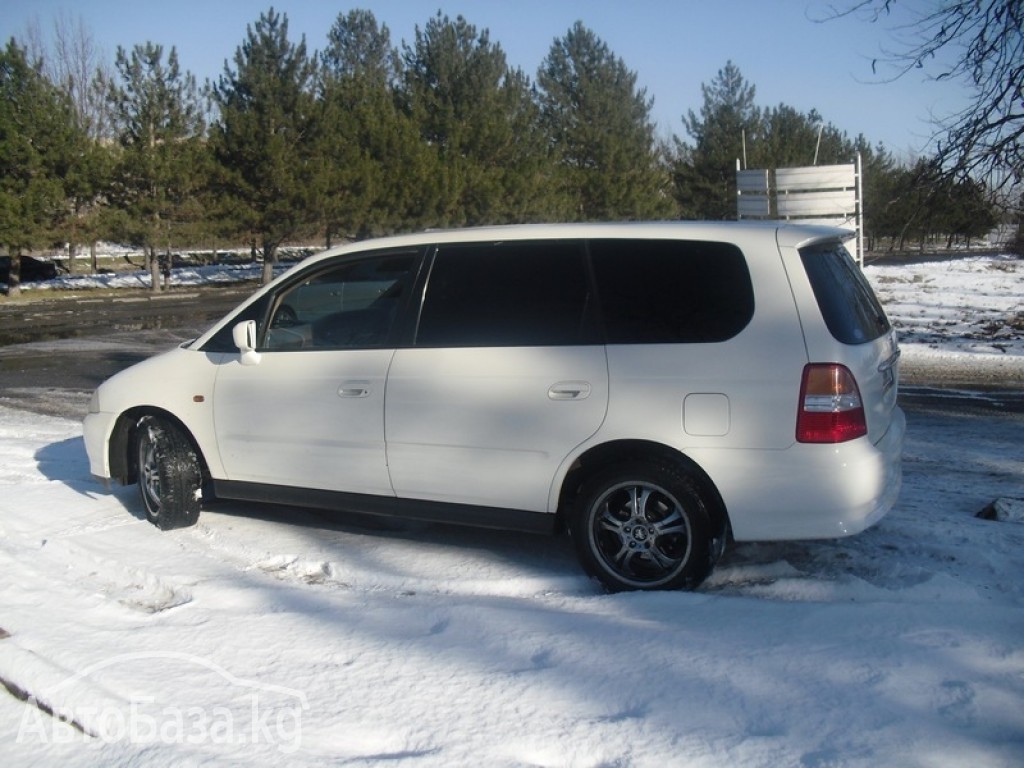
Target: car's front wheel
643,526
170,477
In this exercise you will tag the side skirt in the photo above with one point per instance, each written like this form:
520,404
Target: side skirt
389,506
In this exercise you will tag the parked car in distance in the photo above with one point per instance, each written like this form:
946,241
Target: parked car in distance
32,269
652,388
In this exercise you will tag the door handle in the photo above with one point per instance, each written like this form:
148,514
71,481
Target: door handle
569,390
354,389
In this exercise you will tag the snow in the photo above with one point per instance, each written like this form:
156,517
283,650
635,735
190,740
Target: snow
944,309
278,636
970,298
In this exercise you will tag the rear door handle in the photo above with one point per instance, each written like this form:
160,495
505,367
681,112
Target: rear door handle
354,389
569,390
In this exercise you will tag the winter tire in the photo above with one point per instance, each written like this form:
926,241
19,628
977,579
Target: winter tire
643,527
170,478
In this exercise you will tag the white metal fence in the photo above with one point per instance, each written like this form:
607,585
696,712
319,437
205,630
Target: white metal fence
817,194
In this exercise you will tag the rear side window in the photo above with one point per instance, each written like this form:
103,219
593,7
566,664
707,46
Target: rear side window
505,295
848,305
671,291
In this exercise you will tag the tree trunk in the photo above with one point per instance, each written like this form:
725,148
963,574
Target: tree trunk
14,278
269,260
92,258
165,269
154,269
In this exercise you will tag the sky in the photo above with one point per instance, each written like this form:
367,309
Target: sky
785,48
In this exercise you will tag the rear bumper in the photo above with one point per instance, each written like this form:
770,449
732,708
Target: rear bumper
812,491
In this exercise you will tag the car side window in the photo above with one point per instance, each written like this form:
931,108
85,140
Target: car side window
352,305
671,291
506,294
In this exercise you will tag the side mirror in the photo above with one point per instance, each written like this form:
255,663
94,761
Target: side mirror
244,335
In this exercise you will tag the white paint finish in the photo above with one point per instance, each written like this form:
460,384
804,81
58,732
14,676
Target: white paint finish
867,362
308,418
815,177
478,425
168,382
808,491
706,415
501,426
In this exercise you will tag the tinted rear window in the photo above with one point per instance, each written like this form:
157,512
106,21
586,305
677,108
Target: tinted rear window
847,303
671,291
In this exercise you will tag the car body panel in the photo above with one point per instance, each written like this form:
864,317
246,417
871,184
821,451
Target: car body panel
490,426
808,491
874,363
504,427
311,418
179,382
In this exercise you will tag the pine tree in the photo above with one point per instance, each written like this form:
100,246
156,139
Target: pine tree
37,140
599,123
788,138
374,165
157,117
474,114
705,171
266,137
74,63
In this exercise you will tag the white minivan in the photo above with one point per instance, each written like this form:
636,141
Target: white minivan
653,388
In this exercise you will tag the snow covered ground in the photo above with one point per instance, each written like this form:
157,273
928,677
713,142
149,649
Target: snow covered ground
281,636
961,319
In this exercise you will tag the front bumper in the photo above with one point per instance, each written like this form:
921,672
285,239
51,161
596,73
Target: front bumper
97,429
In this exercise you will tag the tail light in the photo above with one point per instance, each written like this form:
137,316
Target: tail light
831,410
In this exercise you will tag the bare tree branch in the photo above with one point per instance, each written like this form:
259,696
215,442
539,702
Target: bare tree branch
977,42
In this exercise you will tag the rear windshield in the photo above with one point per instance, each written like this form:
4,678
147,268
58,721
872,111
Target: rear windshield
848,305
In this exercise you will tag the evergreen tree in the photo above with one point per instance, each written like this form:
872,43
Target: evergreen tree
37,140
157,117
374,165
359,48
599,124
788,138
75,64
266,137
969,212
704,172
878,176
86,185
475,114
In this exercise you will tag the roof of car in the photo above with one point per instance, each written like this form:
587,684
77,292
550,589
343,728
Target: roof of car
740,232
690,230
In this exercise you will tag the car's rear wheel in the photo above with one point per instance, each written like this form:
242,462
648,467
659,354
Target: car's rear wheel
643,526
170,477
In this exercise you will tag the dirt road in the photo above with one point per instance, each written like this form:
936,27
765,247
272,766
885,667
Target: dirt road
54,352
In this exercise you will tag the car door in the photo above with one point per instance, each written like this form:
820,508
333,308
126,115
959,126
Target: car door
308,409
504,379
